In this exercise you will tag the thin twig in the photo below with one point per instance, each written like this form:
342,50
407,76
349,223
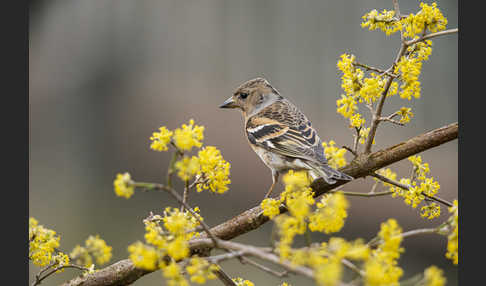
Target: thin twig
388,73
376,240
185,194
356,194
350,150
432,35
388,119
407,187
223,277
39,279
263,267
353,267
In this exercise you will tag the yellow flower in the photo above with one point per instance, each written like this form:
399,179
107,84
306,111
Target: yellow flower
95,249
381,267
214,170
429,17
453,237
372,89
383,21
363,135
161,139
42,243
187,167
270,207
61,259
242,282
406,114
356,121
430,211
178,248
188,136
334,155
173,273
409,69
296,180
299,203
124,185
201,270
330,213
99,249
433,276
420,169
179,223
347,105
328,274
143,256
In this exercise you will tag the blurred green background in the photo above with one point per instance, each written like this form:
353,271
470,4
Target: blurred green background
105,74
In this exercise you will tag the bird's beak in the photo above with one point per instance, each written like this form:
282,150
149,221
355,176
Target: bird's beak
229,103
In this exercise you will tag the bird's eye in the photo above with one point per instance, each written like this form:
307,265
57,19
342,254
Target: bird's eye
243,95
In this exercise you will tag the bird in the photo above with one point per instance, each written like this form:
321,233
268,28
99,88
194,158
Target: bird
280,134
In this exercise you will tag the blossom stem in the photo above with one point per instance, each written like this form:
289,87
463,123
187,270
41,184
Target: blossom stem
244,260
39,278
376,240
356,194
433,35
407,187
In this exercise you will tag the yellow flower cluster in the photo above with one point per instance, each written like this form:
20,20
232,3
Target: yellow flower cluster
453,237
201,270
330,214
326,259
188,136
173,273
384,21
409,66
419,187
356,121
420,169
161,139
95,249
363,135
381,268
334,155
430,211
327,217
429,17
143,256
184,138
242,282
351,78
214,170
433,276
167,235
409,70
124,185
371,89
42,243
187,167
405,114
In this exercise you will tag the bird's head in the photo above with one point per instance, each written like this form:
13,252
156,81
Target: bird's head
252,96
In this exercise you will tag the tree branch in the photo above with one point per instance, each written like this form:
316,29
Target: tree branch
124,273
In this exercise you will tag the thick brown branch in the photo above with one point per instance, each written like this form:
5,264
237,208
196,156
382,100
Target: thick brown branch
124,273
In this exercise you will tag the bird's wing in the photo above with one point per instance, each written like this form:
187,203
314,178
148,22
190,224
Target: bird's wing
281,128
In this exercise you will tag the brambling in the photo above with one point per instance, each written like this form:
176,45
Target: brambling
280,133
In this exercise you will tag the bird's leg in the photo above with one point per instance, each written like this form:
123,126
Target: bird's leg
275,180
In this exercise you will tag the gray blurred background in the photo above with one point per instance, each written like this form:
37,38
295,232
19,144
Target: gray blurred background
105,74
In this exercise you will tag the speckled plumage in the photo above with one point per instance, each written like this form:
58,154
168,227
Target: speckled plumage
280,133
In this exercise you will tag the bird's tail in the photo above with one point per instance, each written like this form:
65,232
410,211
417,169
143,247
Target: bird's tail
329,174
